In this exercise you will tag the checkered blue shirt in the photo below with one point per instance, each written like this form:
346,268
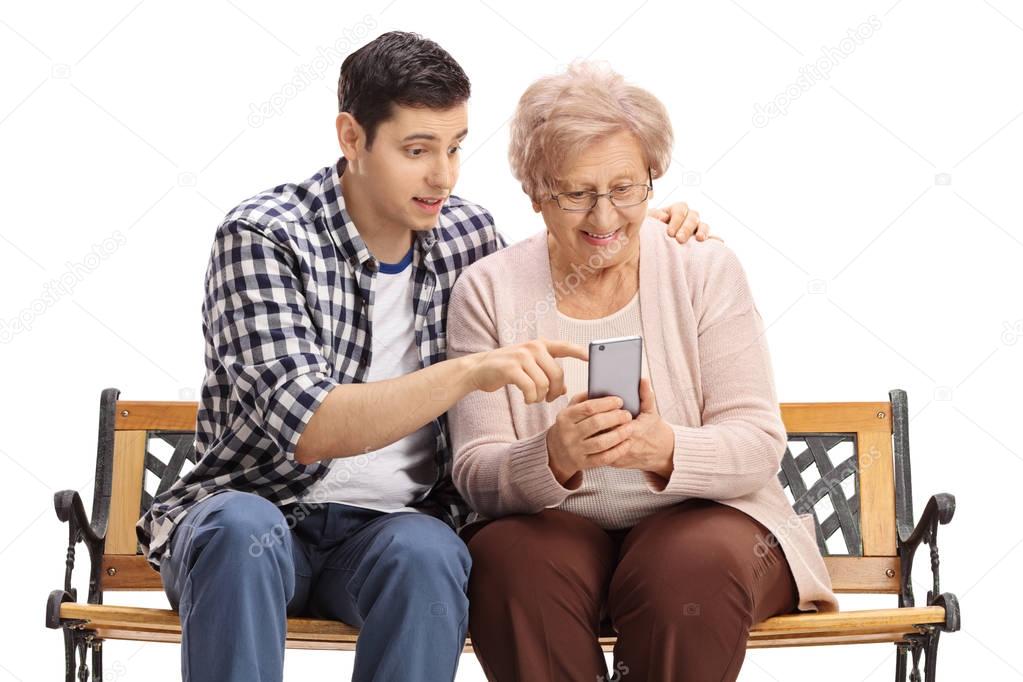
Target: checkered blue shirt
286,318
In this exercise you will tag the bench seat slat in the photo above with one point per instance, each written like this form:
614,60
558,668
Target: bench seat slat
803,629
606,643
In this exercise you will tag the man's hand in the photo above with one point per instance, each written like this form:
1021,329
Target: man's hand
529,365
651,444
683,223
350,420
587,434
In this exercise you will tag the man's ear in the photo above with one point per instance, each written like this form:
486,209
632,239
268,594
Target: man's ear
350,135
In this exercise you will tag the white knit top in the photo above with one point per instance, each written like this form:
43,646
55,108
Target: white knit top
612,498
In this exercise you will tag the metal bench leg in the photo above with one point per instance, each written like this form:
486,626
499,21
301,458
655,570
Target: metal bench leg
917,648
931,664
69,656
900,662
926,644
97,660
81,647
78,647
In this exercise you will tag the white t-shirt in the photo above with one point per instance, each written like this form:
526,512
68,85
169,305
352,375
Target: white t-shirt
393,477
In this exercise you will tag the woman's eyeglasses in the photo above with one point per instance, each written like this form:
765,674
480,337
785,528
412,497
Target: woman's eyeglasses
623,196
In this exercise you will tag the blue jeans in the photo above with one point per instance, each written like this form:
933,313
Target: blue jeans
236,572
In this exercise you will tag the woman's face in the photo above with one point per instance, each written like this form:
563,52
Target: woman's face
604,236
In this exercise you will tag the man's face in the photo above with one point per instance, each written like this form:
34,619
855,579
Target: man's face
413,163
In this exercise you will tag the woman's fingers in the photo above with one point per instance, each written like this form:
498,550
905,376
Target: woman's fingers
578,398
602,422
608,457
646,397
606,440
588,408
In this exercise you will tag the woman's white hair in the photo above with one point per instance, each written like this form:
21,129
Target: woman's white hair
558,116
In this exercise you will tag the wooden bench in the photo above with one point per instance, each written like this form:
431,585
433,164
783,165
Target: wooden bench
847,464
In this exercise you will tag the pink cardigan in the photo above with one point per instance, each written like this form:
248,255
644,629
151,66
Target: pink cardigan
710,370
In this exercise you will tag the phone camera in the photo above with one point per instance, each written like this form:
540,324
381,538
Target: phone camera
601,347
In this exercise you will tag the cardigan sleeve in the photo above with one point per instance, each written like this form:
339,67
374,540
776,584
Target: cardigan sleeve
737,448
495,471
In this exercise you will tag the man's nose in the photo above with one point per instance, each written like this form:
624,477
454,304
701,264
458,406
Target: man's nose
442,174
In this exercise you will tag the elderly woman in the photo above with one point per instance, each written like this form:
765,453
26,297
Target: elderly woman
671,527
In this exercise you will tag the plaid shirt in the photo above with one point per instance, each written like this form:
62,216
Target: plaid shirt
286,317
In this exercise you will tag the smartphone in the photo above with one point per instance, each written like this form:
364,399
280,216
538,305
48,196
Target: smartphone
615,368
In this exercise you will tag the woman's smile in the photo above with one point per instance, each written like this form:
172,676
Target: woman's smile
600,239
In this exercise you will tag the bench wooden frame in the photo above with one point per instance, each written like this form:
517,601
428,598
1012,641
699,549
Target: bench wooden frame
875,522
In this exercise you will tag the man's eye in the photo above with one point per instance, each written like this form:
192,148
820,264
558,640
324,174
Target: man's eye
624,189
416,152
455,150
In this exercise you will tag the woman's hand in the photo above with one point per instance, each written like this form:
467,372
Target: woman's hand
651,444
529,365
683,223
587,434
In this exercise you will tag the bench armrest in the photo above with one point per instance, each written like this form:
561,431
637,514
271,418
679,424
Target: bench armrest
939,511
70,510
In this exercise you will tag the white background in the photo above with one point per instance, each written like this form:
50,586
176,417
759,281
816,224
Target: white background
878,220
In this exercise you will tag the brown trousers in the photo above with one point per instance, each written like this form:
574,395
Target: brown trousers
681,589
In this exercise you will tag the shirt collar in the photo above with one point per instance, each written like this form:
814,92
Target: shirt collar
341,225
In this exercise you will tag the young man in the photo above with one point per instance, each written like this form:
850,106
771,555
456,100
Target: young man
322,486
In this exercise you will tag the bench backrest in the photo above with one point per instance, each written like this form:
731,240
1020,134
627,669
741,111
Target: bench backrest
846,463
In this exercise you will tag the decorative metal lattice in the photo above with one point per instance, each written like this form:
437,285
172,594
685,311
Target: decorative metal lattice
169,455
823,480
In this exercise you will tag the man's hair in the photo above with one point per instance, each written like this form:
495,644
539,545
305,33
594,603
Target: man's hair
398,68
